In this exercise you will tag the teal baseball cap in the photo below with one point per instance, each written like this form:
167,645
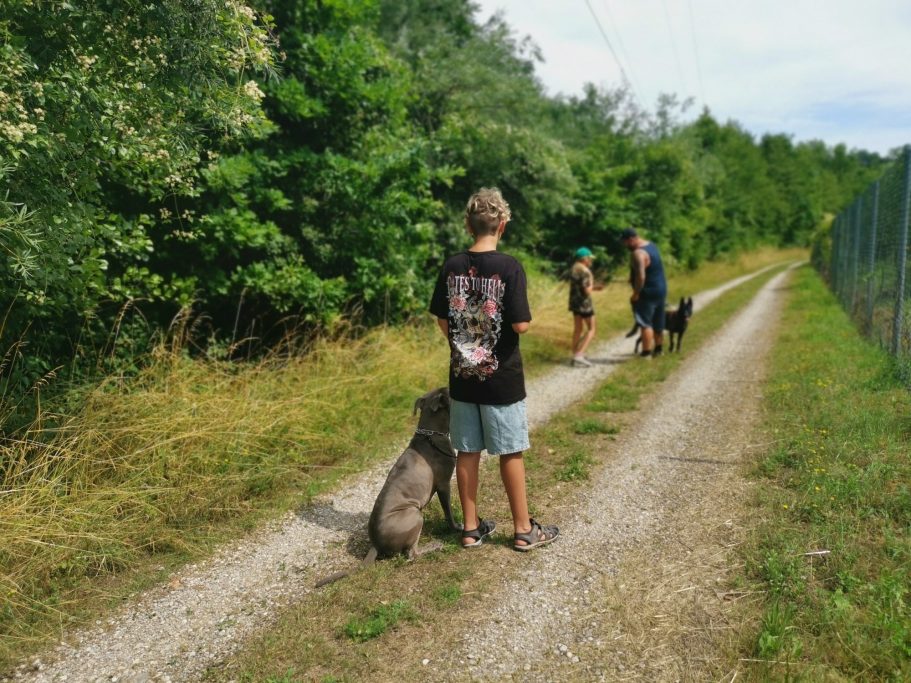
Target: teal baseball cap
583,252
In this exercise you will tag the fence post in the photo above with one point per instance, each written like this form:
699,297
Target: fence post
845,255
858,220
902,256
836,254
872,261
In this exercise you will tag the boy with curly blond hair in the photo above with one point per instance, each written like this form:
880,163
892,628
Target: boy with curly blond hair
481,304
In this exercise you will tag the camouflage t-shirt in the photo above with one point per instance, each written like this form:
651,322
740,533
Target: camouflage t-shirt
580,278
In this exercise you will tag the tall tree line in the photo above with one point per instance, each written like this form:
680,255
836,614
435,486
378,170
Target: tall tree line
297,162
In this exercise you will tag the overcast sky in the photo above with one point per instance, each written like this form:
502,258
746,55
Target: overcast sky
835,70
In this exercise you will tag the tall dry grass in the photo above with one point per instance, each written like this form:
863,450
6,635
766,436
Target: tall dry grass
153,465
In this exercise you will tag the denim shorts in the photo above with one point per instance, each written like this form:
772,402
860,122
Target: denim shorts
650,313
499,429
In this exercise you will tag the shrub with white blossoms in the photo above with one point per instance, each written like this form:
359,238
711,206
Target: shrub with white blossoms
99,102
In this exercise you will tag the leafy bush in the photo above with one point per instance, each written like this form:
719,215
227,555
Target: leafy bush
101,103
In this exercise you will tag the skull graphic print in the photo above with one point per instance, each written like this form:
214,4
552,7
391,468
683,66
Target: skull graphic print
476,314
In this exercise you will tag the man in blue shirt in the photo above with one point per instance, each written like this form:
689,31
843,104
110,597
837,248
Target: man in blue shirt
649,290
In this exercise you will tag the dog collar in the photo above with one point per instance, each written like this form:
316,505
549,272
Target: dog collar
429,432
432,433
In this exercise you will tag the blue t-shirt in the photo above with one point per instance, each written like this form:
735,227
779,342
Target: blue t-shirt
655,286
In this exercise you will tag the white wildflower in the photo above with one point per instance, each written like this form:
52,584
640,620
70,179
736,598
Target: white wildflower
252,90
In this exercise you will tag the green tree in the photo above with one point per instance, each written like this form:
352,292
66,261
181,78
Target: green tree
333,212
478,101
101,102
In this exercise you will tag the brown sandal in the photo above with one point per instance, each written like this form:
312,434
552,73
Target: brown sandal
537,536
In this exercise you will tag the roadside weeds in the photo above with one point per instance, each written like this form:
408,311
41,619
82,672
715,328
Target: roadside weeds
828,556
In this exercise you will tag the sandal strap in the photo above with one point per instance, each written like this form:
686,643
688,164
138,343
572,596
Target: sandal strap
537,533
484,528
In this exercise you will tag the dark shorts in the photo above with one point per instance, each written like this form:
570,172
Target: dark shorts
650,313
584,315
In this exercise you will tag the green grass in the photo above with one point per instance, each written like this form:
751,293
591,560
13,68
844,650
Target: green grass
833,550
576,466
380,619
594,426
447,595
616,398
575,454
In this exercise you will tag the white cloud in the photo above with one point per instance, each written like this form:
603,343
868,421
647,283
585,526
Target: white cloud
836,70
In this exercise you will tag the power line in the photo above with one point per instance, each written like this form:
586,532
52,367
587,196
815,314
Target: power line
623,52
626,78
670,32
705,102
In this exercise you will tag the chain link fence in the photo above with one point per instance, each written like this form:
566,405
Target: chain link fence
869,265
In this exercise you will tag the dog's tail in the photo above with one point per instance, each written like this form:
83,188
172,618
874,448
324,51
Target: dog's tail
332,578
633,330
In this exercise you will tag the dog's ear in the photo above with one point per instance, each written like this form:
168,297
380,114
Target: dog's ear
439,399
680,305
433,400
689,304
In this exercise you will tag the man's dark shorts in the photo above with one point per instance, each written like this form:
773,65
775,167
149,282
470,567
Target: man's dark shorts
650,313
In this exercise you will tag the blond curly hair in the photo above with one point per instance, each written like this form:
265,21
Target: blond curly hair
485,211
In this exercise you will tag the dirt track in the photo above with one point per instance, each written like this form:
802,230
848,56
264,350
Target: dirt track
638,508
633,591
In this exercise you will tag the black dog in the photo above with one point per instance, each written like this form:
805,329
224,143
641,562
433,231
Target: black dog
675,321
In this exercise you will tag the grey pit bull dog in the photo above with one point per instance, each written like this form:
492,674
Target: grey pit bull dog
423,469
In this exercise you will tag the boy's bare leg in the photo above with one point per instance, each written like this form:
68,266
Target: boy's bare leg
577,332
589,335
467,466
512,471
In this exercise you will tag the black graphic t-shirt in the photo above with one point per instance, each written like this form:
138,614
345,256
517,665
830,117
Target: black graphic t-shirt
482,294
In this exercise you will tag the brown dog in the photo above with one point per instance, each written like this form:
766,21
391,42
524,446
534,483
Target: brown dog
422,470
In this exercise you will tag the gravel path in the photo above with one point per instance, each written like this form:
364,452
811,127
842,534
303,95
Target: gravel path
175,631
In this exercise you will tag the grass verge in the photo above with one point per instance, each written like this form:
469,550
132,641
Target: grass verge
833,551
310,641
159,470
